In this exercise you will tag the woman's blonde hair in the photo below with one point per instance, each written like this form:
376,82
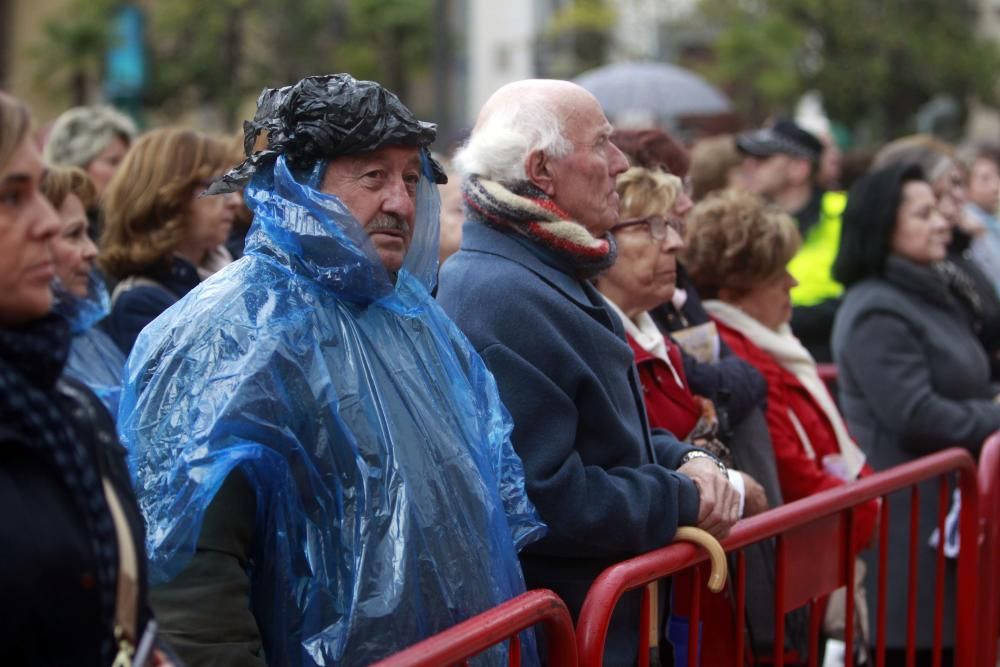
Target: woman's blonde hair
644,192
146,204
15,121
736,241
60,182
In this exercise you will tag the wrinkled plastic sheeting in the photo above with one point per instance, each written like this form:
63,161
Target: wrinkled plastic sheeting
94,359
323,117
390,502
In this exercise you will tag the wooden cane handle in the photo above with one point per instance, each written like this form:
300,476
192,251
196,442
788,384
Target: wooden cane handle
717,557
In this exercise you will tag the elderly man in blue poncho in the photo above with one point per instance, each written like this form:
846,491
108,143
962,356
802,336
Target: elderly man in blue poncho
323,460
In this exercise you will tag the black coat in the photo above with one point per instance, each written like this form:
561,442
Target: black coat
133,309
49,611
733,385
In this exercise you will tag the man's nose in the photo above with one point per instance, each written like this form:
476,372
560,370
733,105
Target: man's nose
398,200
618,163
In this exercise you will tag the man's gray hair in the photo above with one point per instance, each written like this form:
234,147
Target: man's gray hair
499,146
82,133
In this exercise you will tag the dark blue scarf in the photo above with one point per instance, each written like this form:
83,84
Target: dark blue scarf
31,362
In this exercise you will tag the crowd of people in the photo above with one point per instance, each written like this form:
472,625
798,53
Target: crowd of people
415,386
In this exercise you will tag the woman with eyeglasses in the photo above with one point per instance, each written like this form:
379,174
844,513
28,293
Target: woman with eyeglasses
649,237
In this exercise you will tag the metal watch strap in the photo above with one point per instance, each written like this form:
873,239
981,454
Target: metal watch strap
697,454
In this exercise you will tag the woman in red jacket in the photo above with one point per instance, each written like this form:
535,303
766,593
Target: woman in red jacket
737,251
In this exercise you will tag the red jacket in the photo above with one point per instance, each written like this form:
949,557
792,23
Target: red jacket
798,474
667,405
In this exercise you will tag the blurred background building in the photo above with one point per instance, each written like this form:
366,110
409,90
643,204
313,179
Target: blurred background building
877,69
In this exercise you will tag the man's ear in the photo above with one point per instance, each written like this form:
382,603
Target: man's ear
538,168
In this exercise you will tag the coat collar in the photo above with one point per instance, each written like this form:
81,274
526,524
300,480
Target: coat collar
555,271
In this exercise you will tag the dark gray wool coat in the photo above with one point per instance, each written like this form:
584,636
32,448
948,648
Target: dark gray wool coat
605,486
914,380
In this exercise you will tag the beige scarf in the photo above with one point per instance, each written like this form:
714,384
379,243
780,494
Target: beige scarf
790,354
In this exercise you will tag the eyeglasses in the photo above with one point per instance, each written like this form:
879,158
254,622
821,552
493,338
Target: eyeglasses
656,224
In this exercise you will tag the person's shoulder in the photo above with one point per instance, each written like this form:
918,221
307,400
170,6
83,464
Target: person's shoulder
874,295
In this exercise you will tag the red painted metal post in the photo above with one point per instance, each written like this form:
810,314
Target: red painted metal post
779,601
644,614
967,624
694,618
989,507
815,620
849,593
883,553
939,571
911,607
494,626
741,607
595,615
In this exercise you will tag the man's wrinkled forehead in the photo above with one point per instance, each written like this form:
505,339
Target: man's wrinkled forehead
408,156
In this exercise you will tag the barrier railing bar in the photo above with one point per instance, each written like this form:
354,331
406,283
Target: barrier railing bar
779,601
943,496
883,553
644,628
967,595
989,477
694,620
815,620
911,607
491,627
514,658
848,542
741,607
635,572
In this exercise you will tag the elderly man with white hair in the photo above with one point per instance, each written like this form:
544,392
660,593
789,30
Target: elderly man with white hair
539,183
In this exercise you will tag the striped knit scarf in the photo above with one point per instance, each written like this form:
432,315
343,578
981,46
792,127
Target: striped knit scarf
528,211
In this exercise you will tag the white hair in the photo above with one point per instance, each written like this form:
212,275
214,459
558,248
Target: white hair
503,140
81,134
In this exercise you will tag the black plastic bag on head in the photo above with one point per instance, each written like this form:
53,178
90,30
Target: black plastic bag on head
325,117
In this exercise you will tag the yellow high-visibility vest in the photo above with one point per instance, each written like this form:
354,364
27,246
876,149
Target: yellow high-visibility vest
812,266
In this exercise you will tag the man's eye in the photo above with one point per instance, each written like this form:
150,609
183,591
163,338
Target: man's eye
375,173
10,197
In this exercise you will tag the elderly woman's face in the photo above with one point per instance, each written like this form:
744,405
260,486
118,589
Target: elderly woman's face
27,226
769,301
921,233
104,166
645,273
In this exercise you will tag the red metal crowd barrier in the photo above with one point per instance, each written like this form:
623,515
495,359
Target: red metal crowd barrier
827,373
989,506
473,636
807,569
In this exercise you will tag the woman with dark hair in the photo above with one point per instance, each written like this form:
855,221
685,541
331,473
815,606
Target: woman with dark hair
73,582
972,288
914,379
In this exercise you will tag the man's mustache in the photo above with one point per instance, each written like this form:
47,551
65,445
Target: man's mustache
387,222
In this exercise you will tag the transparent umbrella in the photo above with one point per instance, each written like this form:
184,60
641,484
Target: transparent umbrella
658,89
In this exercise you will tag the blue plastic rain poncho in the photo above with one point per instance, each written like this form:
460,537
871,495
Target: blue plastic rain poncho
390,503
94,359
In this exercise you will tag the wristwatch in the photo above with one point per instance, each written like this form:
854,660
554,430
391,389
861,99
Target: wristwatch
698,454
